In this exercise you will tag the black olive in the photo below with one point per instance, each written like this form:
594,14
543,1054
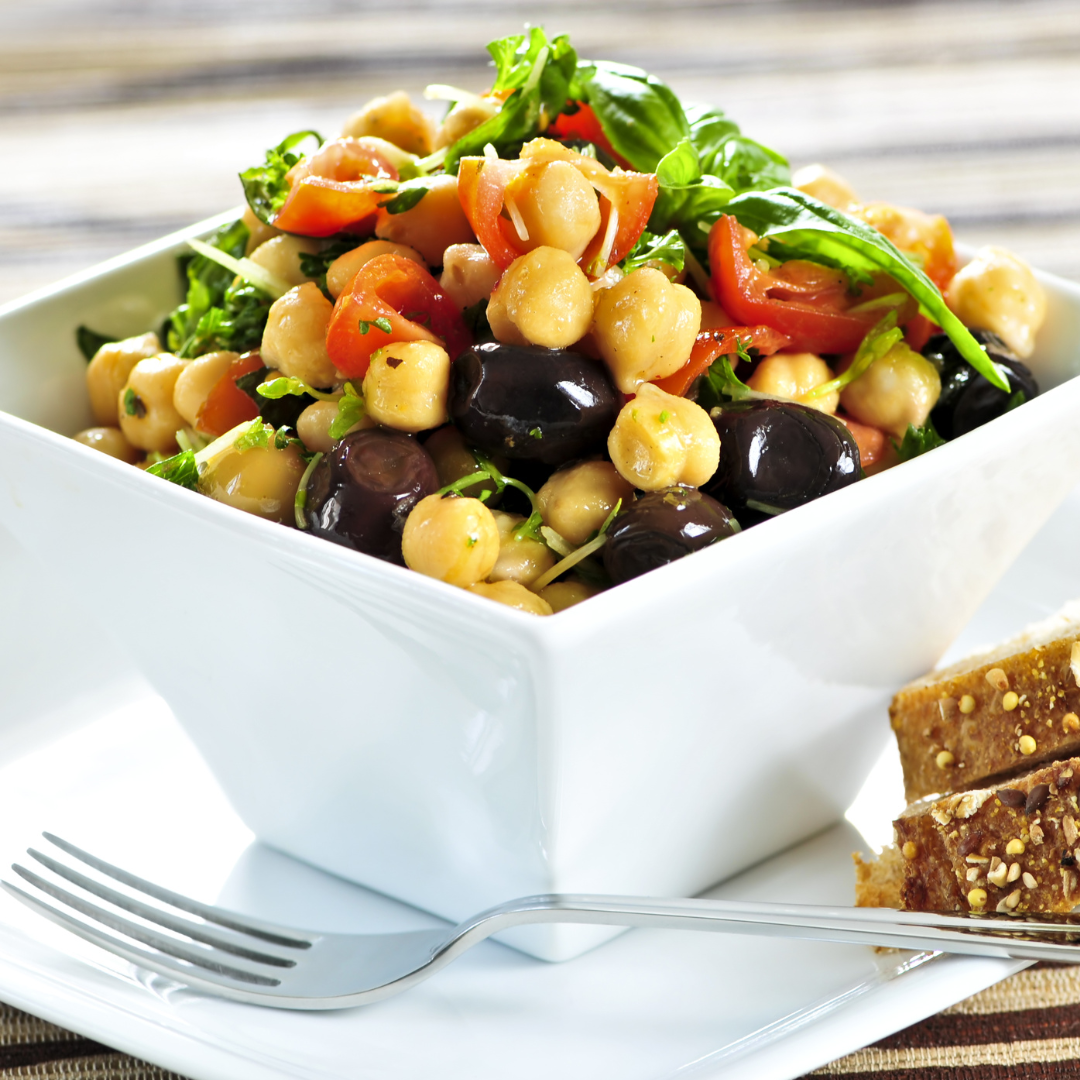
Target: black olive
968,400
533,404
776,455
661,527
363,490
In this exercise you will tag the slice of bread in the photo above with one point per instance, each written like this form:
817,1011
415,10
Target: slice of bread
994,714
1014,847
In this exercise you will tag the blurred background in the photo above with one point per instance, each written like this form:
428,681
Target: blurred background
124,119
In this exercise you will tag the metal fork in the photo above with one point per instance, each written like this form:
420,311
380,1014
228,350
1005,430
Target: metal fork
233,956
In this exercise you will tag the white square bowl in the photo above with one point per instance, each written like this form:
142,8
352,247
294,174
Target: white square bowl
454,753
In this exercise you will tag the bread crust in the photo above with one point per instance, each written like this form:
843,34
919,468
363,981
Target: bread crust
1013,847
993,715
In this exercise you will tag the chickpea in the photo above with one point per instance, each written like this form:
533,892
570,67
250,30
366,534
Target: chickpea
343,269
109,370
396,119
645,327
790,375
660,440
557,206
575,502
546,297
259,231
194,383
521,560
313,425
926,236
261,481
714,317
499,320
512,595
821,183
469,274
454,460
997,291
464,117
432,225
454,540
294,338
406,386
899,389
148,418
281,256
566,593
109,440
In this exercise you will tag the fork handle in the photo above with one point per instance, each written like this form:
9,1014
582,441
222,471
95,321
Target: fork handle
985,935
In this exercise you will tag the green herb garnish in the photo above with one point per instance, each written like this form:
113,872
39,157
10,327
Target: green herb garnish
179,469
917,441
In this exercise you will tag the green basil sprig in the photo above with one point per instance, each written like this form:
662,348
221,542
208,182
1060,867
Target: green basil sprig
810,229
640,115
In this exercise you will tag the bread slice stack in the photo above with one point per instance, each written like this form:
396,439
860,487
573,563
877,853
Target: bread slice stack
990,749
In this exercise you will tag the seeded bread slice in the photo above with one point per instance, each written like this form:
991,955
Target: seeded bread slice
1013,847
994,714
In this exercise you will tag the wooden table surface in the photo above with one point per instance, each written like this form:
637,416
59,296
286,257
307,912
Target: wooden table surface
121,121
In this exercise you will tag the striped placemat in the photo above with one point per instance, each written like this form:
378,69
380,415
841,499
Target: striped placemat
30,1047
1025,1027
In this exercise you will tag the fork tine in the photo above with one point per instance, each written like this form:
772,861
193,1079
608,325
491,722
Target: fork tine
202,958
158,962
156,915
275,935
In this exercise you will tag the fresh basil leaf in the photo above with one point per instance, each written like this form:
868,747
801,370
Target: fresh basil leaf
640,115
709,129
679,167
791,217
917,441
691,208
539,72
179,469
89,341
725,152
265,187
669,248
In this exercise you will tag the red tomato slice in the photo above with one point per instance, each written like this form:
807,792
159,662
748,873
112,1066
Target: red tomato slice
481,189
331,189
747,294
482,184
226,405
918,332
584,125
872,442
712,344
403,293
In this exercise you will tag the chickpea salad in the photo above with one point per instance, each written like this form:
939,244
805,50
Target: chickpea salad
575,331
